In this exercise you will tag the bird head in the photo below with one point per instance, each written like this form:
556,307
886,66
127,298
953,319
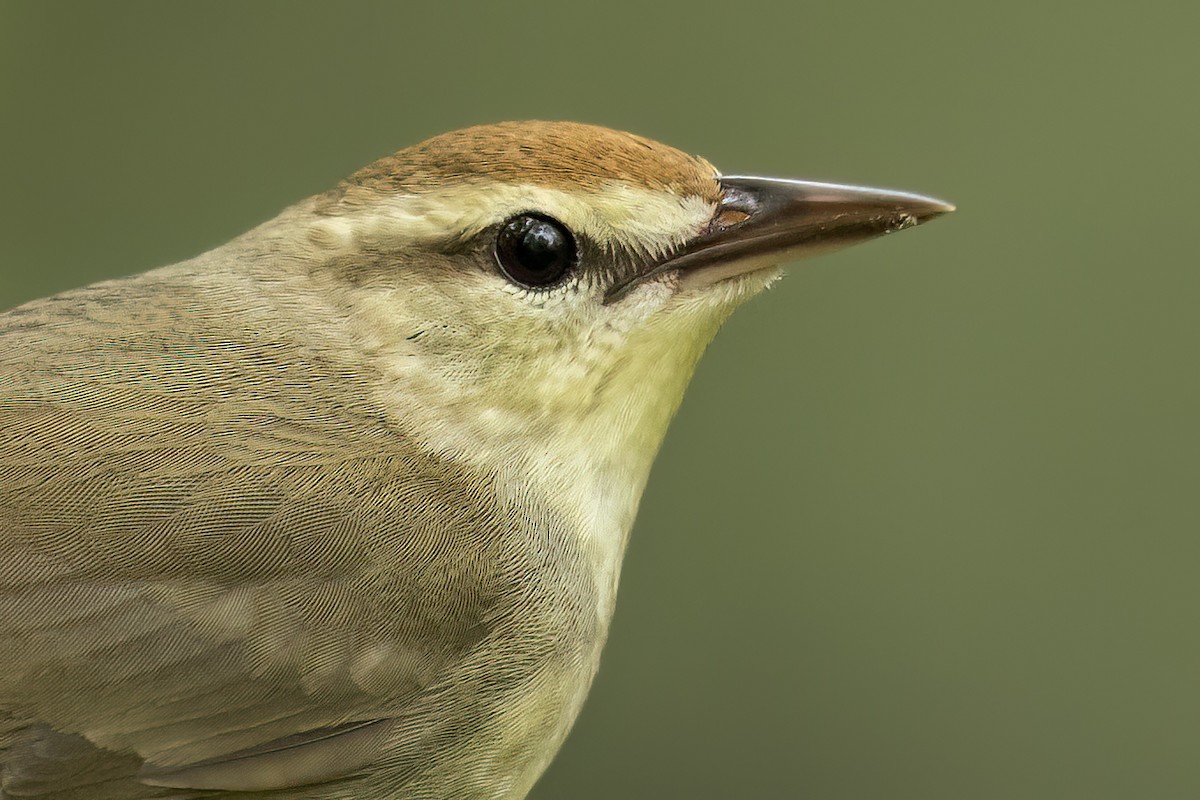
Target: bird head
550,286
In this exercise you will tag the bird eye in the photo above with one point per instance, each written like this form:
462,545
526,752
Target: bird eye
534,250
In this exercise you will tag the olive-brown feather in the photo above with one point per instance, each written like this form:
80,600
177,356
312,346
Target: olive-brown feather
558,155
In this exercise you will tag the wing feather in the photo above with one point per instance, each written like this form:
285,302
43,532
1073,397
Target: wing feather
199,526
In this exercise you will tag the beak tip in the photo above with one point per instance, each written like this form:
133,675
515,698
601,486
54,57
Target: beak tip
911,211
927,208
942,207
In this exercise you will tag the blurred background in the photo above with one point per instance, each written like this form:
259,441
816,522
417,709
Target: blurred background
928,523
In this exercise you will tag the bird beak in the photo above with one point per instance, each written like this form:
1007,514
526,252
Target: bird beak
763,221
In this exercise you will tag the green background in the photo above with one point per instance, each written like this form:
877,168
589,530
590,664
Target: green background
927,524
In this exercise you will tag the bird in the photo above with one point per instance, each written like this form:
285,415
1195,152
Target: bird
337,509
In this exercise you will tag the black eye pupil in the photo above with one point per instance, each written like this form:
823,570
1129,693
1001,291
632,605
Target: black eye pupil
534,250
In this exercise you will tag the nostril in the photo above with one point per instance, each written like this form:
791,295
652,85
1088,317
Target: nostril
728,217
735,198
